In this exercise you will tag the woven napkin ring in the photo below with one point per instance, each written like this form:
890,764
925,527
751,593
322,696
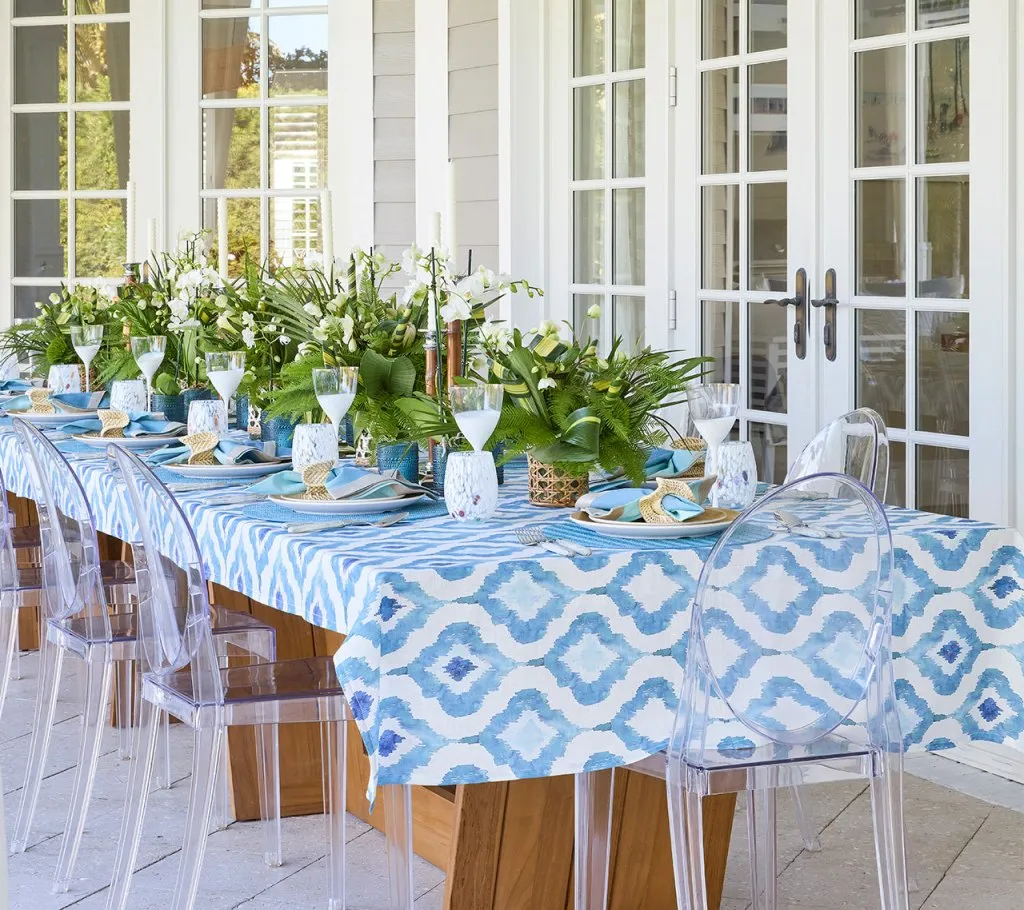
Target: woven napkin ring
113,423
651,509
315,476
39,402
201,447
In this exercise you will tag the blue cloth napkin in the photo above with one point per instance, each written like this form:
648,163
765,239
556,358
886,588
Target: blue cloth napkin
344,482
68,402
140,423
227,452
624,504
15,385
660,463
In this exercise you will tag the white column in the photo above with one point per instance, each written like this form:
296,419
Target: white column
431,52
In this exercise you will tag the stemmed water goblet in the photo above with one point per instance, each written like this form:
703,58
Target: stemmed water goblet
471,481
714,407
86,340
148,351
335,389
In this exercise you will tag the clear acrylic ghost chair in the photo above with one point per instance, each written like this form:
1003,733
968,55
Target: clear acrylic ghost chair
20,586
79,590
856,444
792,680
181,676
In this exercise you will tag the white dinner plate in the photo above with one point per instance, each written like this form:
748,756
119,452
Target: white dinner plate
711,522
51,420
227,471
126,442
346,506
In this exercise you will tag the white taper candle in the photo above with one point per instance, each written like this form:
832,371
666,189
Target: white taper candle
129,251
222,237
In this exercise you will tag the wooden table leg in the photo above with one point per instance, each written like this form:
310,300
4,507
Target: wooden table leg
513,845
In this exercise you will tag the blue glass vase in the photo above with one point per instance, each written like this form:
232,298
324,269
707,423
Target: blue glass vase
403,457
171,406
242,412
438,466
278,430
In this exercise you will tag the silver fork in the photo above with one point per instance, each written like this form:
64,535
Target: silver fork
310,526
536,537
797,525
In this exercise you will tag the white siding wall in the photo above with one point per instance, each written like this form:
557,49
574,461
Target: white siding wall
394,122
473,125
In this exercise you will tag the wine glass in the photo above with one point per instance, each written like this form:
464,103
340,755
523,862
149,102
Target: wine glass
225,370
335,389
148,351
714,407
476,409
86,340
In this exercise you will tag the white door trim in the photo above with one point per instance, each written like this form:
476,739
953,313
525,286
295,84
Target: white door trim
431,68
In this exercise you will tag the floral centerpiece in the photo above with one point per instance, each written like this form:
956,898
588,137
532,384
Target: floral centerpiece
182,301
571,410
45,340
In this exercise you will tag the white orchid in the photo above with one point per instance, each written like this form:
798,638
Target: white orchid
547,383
414,290
313,310
249,337
455,309
411,259
312,260
348,325
224,322
496,337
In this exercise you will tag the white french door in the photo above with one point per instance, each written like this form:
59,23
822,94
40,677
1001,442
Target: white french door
863,142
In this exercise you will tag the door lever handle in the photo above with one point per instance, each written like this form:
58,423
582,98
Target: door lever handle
829,302
799,303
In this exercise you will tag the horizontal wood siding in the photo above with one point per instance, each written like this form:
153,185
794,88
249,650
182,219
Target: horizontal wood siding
473,125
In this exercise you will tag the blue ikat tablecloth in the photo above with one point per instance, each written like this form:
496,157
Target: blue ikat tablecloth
472,658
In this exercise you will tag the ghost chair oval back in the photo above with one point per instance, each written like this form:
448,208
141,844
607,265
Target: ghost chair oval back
181,676
814,697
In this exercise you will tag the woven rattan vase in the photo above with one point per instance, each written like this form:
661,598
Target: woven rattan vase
692,444
550,486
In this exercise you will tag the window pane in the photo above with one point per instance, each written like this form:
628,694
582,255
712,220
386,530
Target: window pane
294,229
767,347
584,325
721,27
99,237
882,106
590,34
943,481
589,234
880,17
720,338
231,58
896,492
588,140
102,62
628,321
630,212
768,110
943,119
297,55
231,148
629,128
768,20
768,236
26,298
943,376
40,151
630,34
40,7
101,150
40,229
243,232
770,444
40,64
936,13
944,224
882,364
298,147
228,4
720,245
720,93
881,259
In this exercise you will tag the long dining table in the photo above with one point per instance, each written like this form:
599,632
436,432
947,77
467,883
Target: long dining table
487,672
